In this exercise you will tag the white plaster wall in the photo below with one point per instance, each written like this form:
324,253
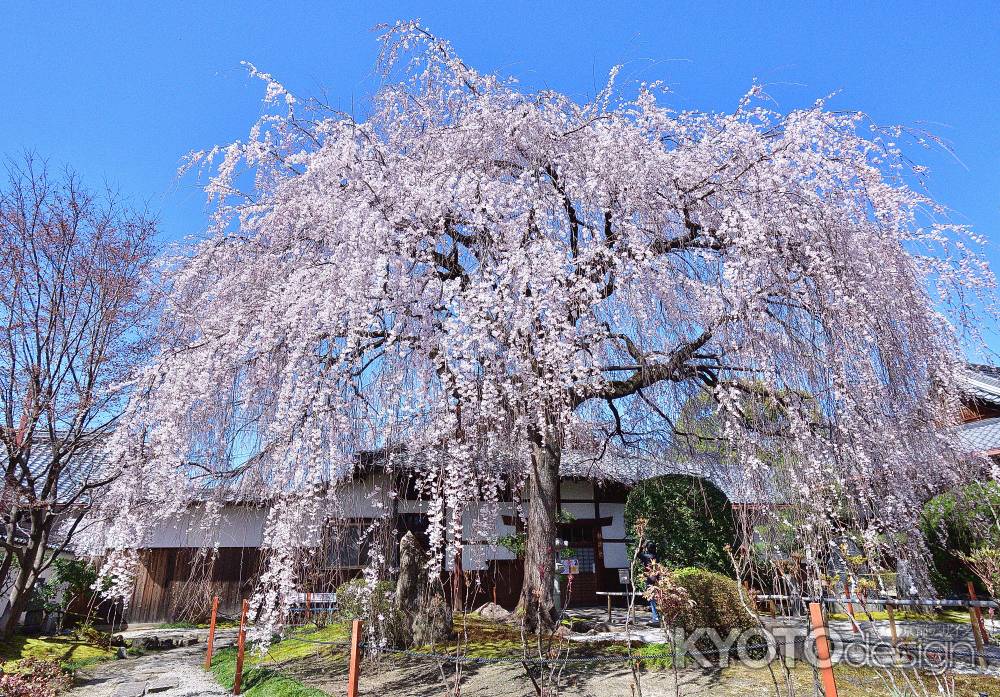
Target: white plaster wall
615,555
366,498
617,512
238,526
579,510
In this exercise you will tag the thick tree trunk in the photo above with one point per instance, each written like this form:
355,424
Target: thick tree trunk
27,576
20,594
537,604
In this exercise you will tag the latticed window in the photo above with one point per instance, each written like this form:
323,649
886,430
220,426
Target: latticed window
585,558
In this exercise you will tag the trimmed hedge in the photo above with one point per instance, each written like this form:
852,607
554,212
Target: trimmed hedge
958,521
716,602
688,519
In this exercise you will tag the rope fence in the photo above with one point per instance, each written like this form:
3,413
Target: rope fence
946,652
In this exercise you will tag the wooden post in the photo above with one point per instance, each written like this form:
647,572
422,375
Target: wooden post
457,603
979,614
355,666
240,646
825,665
609,608
211,633
774,610
308,609
889,610
977,636
850,615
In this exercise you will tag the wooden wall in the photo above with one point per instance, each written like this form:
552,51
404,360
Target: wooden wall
164,574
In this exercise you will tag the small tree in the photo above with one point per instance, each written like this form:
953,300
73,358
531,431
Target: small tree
73,268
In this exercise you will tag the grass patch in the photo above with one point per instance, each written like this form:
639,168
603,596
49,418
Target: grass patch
71,653
261,674
948,616
258,680
655,656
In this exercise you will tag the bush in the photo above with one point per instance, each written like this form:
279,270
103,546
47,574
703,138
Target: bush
688,519
356,601
955,524
34,677
716,602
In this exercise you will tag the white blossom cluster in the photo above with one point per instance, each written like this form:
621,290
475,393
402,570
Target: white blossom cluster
476,266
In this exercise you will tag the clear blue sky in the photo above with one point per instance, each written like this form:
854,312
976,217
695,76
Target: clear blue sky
122,91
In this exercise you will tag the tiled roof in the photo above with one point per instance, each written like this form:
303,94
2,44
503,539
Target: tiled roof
982,382
982,435
729,478
83,467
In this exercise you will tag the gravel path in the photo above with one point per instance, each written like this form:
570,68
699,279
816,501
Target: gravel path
170,673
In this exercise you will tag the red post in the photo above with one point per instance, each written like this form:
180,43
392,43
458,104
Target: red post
240,645
825,665
211,633
354,670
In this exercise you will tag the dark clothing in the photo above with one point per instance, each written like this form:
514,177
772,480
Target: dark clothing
648,558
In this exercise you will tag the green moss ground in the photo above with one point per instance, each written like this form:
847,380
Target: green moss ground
72,653
262,674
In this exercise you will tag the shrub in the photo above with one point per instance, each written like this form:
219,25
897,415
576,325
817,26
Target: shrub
356,601
716,602
688,520
34,677
954,524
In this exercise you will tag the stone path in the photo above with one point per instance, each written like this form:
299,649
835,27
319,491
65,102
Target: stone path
171,673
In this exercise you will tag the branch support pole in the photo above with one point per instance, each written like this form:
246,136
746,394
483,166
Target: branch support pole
824,664
240,647
211,633
354,670
979,613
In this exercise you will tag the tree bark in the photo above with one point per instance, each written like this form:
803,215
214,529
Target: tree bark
537,604
27,577
20,594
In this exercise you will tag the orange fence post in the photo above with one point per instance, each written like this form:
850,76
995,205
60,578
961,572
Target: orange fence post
240,645
355,667
825,665
211,632
979,614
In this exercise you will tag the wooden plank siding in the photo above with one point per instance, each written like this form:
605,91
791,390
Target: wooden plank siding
163,577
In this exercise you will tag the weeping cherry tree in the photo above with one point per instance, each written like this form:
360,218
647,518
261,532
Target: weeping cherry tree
493,277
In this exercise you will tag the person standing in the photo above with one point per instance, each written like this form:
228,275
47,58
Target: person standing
648,558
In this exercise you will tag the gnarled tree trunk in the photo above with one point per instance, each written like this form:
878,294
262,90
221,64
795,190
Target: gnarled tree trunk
537,604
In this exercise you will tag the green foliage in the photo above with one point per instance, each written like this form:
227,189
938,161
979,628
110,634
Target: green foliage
716,599
516,542
955,524
688,520
258,680
656,656
356,601
70,579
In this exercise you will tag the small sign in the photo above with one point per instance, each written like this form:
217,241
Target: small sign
624,577
572,566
